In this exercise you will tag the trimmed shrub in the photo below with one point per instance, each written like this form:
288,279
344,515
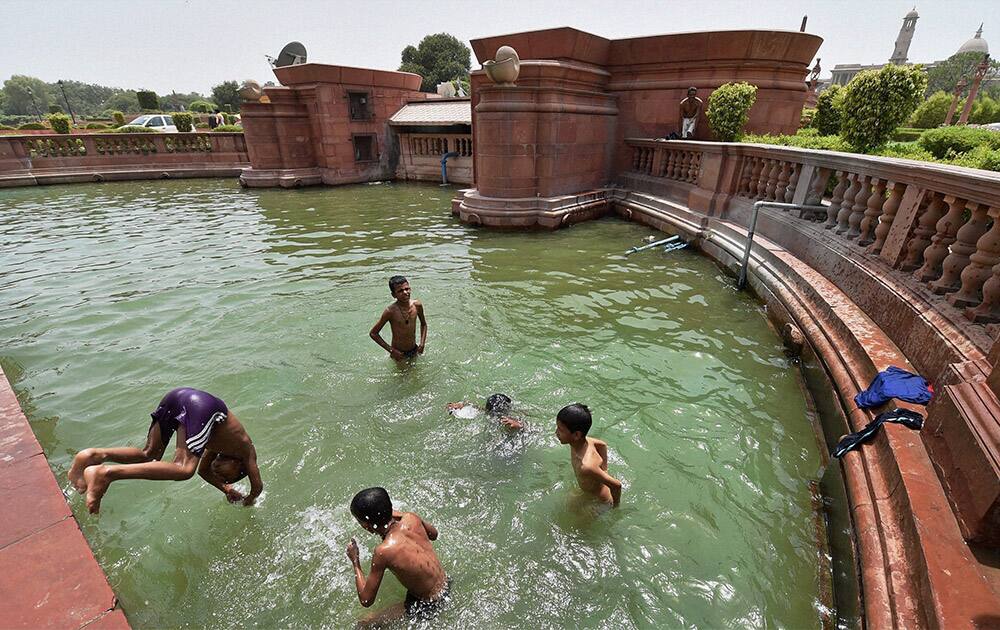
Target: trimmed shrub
6,128
982,157
182,120
907,134
803,141
133,129
32,126
932,112
201,125
907,150
147,99
876,102
829,109
806,117
944,140
985,110
229,128
119,118
55,109
202,107
729,109
59,123
96,126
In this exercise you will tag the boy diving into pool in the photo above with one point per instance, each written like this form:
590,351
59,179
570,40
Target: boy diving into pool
497,407
402,317
588,455
209,439
405,550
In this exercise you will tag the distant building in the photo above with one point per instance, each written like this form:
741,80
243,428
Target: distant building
844,72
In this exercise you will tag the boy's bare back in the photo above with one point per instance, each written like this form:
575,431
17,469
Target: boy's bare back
586,465
408,553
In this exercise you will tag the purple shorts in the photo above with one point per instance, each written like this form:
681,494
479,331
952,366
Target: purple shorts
196,410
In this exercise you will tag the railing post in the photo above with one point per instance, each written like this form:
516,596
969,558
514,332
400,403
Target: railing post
885,221
981,263
874,209
931,213
837,200
772,180
850,195
944,236
859,207
783,177
793,182
965,244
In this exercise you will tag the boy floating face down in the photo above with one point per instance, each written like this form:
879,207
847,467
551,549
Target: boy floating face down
588,455
209,439
497,407
405,550
402,316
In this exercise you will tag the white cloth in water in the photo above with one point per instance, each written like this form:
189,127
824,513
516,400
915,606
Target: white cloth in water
467,412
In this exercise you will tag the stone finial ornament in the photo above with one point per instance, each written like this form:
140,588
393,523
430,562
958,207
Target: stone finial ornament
250,91
503,70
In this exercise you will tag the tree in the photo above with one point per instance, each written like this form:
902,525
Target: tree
147,99
203,107
878,101
944,76
984,110
17,99
124,101
175,102
729,109
227,93
438,58
932,112
829,109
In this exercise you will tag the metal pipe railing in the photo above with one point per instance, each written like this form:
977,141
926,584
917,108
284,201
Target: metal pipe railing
741,282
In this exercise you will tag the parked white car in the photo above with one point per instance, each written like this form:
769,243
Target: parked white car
159,122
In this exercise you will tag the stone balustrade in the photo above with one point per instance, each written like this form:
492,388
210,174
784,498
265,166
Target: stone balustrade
933,221
425,144
421,153
29,160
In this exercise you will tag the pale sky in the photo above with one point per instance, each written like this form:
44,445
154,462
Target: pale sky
191,45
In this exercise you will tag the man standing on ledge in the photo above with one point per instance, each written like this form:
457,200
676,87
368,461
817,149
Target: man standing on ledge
690,110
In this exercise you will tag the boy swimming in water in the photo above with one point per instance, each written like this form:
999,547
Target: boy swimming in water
405,550
497,408
209,439
588,455
402,317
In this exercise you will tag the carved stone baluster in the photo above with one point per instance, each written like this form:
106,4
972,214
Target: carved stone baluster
889,209
783,176
981,263
989,310
872,212
928,214
694,168
961,250
945,232
836,200
793,181
754,186
685,165
765,171
845,208
744,185
772,180
671,164
859,207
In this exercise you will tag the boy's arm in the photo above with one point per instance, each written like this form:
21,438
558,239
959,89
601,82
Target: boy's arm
602,449
423,327
253,473
376,334
512,423
367,587
613,484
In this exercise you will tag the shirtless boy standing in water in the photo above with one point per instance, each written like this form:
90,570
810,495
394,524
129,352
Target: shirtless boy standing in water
209,439
405,550
402,317
588,455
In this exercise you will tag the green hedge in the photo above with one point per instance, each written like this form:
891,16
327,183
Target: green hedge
806,139
133,129
229,128
907,134
59,123
878,101
202,107
944,140
96,126
183,121
118,117
829,110
32,126
6,128
729,109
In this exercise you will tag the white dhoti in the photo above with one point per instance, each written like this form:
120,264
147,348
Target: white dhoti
687,127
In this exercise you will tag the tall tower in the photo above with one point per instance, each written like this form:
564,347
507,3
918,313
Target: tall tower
905,35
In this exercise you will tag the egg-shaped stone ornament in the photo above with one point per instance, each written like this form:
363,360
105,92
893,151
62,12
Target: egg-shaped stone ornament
503,70
250,91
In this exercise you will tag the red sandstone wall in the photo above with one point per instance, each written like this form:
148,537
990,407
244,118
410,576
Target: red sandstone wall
307,124
561,130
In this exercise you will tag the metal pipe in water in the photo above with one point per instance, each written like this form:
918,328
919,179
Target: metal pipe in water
444,166
741,282
652,245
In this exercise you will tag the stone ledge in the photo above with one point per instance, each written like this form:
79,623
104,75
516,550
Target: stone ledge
110,174
916,569
48,575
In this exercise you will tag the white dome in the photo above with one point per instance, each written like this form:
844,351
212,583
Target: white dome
977,44
913,13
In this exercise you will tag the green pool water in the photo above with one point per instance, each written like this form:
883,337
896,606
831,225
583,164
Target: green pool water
111,294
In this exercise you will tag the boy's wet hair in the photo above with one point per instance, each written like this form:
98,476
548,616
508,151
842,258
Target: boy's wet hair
575,417
229,469
373,506
395,282
498,404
